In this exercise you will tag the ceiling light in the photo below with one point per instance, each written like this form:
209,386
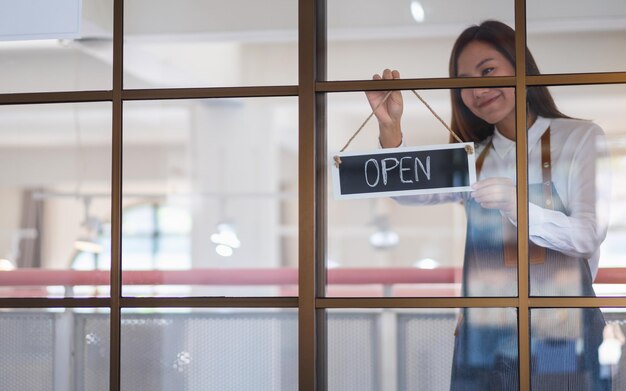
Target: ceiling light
384,239
223,250
225,239
226,235
426,263
417,11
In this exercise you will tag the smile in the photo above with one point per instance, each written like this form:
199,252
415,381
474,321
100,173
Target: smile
487,102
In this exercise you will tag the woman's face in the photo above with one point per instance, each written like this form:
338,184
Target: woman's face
493,105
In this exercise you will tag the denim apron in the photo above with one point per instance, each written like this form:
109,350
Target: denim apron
564,342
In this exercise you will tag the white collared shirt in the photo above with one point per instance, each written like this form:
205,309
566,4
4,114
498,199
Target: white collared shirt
577,150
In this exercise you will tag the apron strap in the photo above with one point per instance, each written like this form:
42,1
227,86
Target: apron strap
536,254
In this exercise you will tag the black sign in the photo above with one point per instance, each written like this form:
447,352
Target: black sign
403,171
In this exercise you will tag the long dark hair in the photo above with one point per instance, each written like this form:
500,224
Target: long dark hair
502,38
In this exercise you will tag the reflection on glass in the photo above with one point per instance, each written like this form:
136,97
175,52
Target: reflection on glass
422,349
353,348
416,35
54,349
484,117
573,194
180,349
56,46
485,354
91,351
55,191
210,196
578,31
574,346
563,225
611,281
206,43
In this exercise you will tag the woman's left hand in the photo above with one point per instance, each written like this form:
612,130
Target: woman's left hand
497,193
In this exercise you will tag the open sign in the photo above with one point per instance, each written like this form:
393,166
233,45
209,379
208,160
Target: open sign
388,172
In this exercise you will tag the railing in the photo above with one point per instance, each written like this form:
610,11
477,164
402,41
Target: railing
405,350
255,276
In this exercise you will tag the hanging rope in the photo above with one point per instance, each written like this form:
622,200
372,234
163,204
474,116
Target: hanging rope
468,148
437,116
337,159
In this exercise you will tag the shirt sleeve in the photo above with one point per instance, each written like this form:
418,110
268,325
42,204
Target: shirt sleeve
581,229
429,199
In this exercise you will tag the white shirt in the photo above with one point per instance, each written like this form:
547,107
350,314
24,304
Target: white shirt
577,148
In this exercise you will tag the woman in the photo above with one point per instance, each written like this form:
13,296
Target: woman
564,229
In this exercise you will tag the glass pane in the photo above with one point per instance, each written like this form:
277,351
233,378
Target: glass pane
64,45
581,347
200,350
422,349
38,354
210,195
612,366
92,343
592,38
575,203
414,37
441,244
55,191
200,43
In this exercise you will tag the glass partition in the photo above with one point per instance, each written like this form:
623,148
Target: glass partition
210,197
414,37
575,210
589,36
581,346
56,46
56,178
190,349
393,244
422,349
54,349
199,43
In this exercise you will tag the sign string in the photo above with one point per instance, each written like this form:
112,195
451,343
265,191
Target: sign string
468,148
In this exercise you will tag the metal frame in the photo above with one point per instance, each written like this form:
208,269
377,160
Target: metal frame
311,91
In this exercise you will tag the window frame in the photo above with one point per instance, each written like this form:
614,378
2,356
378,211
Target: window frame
311,91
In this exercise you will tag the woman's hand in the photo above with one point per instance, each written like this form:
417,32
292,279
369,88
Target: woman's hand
389,113
497,193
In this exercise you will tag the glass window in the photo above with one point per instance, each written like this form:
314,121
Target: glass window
47,348
91,348
223,174
416,245
422,349
56,178
236,349
591,38
414,37
581,346
584,175
64,45
199,43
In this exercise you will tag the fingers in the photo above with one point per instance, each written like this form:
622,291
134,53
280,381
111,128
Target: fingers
495,193
495,181
387,74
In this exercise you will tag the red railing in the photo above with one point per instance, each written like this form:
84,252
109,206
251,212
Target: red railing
255,276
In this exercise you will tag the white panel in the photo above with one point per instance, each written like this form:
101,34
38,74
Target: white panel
39,19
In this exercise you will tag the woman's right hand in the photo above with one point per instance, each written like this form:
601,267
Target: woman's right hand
389,113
